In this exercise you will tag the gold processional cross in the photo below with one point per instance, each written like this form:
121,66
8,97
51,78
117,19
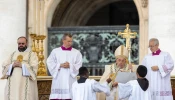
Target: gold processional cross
128,35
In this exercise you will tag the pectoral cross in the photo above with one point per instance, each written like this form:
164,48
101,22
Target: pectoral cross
128,35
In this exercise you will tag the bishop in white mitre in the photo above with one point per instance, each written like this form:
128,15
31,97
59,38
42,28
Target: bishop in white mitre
121,54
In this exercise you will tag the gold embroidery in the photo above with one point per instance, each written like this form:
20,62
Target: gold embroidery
20,58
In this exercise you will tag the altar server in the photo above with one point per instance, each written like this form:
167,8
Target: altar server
135,89
85,89
63,64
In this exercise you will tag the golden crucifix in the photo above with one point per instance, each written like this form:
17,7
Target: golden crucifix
128,35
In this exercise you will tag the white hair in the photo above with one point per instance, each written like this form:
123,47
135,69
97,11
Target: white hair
155,40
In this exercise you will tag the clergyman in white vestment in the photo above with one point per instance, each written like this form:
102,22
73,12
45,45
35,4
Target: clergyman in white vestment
159,65
121,54
63,64
135,89
85,89
20,70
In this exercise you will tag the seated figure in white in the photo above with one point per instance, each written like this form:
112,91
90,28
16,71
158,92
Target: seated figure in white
121,65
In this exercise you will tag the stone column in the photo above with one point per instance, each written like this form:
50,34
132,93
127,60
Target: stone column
12,26
162,24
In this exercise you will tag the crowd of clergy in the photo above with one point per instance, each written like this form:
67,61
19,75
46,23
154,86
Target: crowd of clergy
65,64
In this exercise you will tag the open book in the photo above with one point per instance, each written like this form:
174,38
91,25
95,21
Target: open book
25,72
124,77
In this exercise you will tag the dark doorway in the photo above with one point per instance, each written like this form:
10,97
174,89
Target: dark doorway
117,13
95,25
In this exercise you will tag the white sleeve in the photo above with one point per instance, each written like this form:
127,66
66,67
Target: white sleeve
97,87
9,70
106,74
25,72
167,67
124,90
74,68
53,64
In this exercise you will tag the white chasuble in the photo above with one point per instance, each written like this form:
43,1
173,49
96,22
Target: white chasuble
21,85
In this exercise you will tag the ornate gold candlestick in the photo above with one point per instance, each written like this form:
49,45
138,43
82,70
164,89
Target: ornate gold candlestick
37,45
42,68
33,36
38,48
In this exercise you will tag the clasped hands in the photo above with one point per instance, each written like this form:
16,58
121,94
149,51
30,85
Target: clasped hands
17,64
65,65
155,68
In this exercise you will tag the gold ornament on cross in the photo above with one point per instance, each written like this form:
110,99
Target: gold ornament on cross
128,35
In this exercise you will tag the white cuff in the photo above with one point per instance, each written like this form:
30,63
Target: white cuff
58,66
25,72
161,70
9,72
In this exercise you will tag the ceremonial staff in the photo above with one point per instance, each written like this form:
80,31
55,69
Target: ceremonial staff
128,35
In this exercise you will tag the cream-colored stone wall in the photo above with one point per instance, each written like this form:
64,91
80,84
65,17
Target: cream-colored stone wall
162,24
40,17
12,26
